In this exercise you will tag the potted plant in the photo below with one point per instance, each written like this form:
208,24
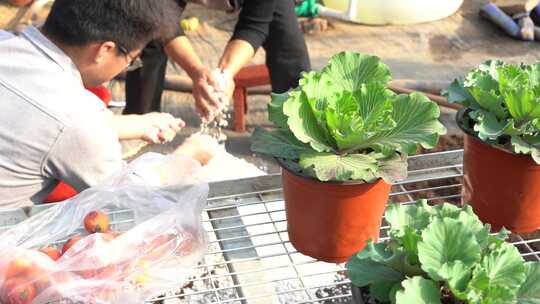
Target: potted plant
501,120
342,138
442,254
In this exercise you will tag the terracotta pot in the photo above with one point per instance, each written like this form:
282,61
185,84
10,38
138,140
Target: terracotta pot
332,221
502,187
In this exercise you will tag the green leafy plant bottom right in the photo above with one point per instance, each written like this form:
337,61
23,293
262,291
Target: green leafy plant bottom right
443,254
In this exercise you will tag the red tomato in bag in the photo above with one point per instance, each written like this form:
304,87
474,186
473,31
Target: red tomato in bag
18,291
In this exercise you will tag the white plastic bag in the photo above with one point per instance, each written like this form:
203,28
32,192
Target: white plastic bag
155,207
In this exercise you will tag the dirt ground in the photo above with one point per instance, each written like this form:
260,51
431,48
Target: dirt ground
434,52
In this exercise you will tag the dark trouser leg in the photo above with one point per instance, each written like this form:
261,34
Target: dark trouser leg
286,51
144,86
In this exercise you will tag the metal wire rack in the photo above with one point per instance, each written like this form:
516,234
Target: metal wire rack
252,261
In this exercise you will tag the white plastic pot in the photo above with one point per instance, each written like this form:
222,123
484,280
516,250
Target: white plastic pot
380,12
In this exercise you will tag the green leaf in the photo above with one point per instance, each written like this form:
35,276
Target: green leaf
396,259
400,217
419,291
445,210
304,124
487,125
532,146
353,118
519,96
382,290
491,296
505,101
485,89
504,267
500,276
529,292
363,272
468,218
446,244
320,87
347,110
457,93
375,106
275,110
392,168
416,124
278,143
328,166
459,278
349,71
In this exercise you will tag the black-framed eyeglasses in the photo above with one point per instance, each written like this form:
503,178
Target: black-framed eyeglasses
133,62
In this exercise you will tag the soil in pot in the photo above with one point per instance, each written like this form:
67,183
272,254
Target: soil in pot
332,221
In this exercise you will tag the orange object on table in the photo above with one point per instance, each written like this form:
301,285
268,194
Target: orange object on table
64,191
250,76
20,3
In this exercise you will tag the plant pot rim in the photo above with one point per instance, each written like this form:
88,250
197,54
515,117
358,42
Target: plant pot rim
460,121
312,179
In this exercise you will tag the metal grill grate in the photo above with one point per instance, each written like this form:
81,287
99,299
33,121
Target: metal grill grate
251,260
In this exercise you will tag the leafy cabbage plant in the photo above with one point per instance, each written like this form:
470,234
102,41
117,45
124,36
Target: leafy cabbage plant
443,254
343,123
504,103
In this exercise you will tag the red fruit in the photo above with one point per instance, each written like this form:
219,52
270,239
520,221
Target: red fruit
70,243
20,266
52,252
96,221
161,246
18,291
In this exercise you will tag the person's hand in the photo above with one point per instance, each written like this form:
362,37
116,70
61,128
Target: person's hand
160,127
204,91
226,85
200,147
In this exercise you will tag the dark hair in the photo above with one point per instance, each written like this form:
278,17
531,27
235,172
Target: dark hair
130,23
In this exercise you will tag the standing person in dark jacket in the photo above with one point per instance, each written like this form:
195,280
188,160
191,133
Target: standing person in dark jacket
271,24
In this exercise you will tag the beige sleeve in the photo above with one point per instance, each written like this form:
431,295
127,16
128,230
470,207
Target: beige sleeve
85,154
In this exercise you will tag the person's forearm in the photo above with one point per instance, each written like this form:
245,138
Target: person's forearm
236,55
127,126
181,52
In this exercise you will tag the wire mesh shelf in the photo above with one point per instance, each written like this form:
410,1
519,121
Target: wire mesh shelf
251,260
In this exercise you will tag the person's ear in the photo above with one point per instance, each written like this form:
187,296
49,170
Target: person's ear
104,50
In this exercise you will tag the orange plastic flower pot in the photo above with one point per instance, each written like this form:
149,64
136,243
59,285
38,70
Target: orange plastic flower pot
332,221
503,188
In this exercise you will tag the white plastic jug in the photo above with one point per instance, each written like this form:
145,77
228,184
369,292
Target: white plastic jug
378,12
